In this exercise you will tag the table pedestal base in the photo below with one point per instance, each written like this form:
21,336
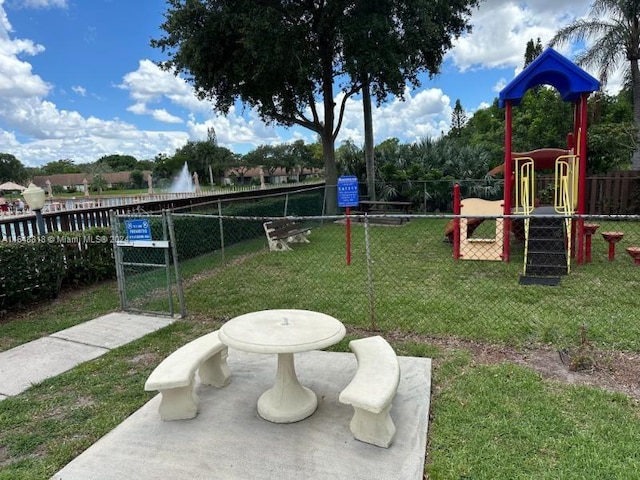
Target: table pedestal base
287,401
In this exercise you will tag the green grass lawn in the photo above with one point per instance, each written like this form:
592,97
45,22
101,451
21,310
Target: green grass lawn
488,421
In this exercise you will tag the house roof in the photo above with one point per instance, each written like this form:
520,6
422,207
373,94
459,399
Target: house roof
68,179
254,172
550,68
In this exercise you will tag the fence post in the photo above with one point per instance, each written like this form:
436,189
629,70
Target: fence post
220,221
117,254
167,261
286,203
372,307
456,222
176,264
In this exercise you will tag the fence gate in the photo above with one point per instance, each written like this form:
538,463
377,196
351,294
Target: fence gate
147,264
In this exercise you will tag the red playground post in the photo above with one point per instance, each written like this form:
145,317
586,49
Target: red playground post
612,238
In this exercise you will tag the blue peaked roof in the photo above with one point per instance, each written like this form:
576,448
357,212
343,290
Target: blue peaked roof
550,68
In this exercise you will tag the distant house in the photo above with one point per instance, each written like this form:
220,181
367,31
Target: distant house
246,176
78,180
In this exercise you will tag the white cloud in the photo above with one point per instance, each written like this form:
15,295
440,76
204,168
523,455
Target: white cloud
498,87
44,3
37,130
162,115
502,29
41,132
234,129
79,90
422,114
159,114
150,84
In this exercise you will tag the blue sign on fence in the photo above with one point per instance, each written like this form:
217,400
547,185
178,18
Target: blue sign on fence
348,191
139,229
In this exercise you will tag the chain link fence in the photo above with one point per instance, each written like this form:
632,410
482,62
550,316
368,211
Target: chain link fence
149,278
400,273
409,272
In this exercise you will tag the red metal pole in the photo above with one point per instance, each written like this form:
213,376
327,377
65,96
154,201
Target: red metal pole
456,222
588,248
507,181
571,145
582,179
348,236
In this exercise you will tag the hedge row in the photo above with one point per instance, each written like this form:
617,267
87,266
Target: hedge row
37,268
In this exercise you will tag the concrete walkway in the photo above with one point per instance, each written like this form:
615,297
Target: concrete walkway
228,440
47,357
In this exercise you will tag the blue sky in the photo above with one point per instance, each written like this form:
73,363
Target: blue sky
78,81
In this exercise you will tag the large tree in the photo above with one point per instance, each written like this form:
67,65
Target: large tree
388,43
278,57
201,157
613,32
533,51
64,165
11,169
458,119
119,163
286,58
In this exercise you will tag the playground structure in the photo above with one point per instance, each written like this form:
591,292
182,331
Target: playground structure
561,238
473,212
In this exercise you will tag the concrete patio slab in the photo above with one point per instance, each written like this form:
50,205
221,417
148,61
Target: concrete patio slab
228,440
113,330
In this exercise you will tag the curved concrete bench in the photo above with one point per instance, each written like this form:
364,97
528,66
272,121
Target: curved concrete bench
174,377
372,390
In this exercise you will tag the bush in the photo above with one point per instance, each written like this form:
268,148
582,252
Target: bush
36,269
88,255
29,272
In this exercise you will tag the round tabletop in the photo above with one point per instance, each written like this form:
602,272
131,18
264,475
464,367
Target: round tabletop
281,331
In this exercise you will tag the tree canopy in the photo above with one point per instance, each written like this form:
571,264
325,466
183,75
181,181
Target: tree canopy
64,165
11,169
614,28
199,156
282,57
119,163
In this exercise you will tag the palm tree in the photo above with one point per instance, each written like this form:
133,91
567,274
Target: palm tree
614,27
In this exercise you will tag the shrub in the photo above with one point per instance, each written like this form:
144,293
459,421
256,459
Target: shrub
88,255
36,269
30,271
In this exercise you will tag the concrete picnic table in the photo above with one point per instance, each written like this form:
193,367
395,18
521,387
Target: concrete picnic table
283,332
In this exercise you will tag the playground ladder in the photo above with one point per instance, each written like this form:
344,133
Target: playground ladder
546,241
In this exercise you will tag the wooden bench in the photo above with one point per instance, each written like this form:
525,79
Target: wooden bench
384,208
280,233
380,206
372,390
174,377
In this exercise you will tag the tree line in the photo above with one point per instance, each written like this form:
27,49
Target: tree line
210,161
287,59
471,148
